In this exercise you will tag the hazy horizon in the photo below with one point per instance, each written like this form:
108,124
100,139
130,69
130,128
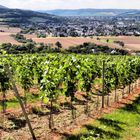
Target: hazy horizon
71,4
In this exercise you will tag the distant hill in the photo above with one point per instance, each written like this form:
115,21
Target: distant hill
132,13
18,17
92,12
1,6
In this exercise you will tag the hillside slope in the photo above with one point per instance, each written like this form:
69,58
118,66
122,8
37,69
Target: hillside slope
18,17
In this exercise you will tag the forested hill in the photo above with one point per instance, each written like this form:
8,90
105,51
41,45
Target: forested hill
17,16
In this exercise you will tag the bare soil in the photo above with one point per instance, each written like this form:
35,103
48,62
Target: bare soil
13,124
131,42
5,37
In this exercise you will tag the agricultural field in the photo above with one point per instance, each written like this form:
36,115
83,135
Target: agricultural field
5,37
8,29
131,42
59,92
65,41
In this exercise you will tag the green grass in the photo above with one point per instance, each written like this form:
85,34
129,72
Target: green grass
13,103
122,124
105,40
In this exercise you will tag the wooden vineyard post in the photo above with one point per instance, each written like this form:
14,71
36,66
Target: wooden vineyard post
4,102
129,88
132,87
103,84
97,103
73,110
51,122
123,91
115,99
108,100
16,93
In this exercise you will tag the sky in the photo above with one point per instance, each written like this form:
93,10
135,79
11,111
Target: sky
70,4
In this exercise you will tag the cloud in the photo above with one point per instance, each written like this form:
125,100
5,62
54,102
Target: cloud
70,4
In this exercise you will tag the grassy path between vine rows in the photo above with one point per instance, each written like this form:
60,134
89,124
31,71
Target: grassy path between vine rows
122,124
13,103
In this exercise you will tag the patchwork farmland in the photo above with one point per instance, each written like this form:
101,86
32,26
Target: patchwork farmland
130,42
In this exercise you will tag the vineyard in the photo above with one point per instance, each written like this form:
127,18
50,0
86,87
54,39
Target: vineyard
69,87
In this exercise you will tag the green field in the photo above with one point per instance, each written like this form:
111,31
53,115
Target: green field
14,104
107,41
